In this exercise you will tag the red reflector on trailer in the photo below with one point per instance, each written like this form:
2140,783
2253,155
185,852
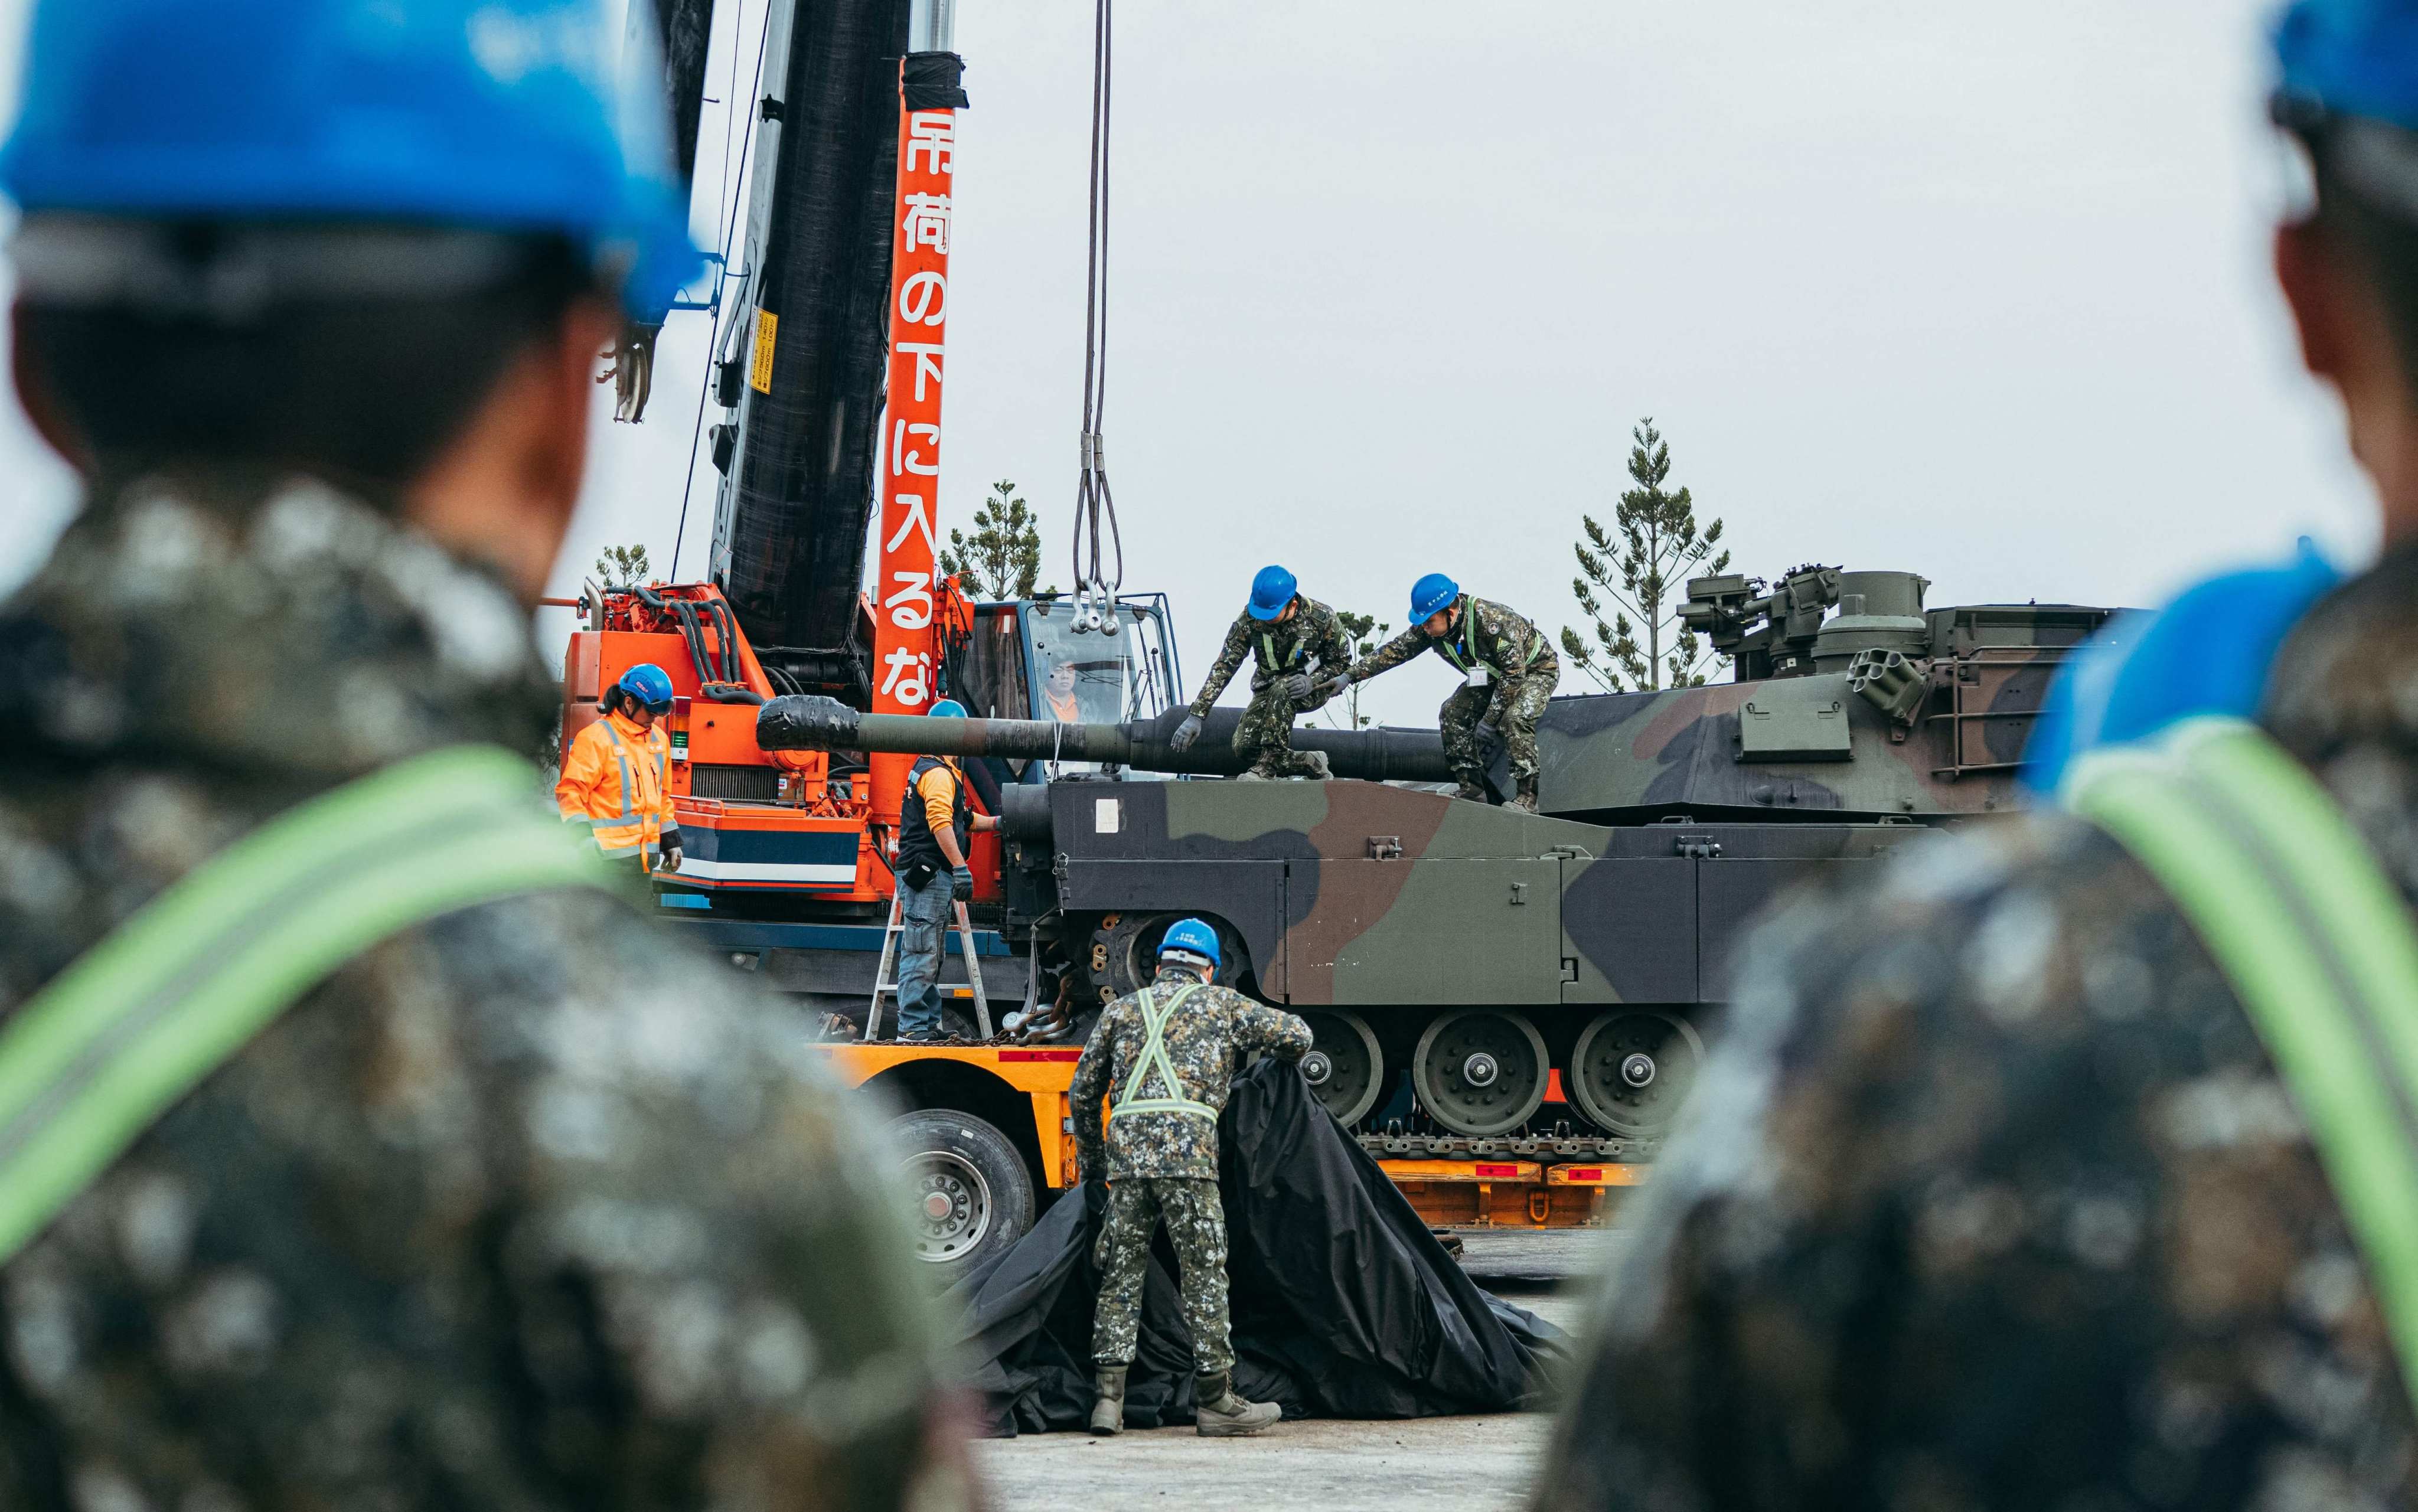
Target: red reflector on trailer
1041,1055
1583,1173
1498,1170
1554,1092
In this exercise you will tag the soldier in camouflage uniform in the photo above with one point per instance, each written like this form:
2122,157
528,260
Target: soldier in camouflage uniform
1993,1196
524,1207
1509,671
1162,1058
1294,643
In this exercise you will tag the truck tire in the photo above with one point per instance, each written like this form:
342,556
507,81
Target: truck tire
972,1197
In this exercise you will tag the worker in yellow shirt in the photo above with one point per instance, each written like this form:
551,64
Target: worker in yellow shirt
934,824
613,775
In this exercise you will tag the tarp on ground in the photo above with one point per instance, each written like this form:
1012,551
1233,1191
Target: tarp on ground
1343,1303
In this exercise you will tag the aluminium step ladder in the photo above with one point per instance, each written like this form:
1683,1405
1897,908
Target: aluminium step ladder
886,977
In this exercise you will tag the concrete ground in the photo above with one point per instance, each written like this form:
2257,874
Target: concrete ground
1437,1464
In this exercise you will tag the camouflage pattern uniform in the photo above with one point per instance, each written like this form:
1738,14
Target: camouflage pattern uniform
1312,641
1992,1197
1167,1162
529,1207
1521,672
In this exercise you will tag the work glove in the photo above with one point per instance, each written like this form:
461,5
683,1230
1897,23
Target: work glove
961,882
672,858
1297,688
1184,734
1335,684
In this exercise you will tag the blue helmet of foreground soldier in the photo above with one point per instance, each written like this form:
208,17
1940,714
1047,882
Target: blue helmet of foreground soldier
1270,592
1432,595
1191,937
499,115
2351,57
947,709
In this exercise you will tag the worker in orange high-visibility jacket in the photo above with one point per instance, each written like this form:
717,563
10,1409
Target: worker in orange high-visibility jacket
614,774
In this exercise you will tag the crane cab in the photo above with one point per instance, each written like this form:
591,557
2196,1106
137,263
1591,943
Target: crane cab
1035,659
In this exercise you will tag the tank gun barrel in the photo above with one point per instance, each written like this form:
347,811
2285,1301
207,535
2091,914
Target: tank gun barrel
810,722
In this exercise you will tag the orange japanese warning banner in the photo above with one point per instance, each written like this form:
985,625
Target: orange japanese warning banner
905,642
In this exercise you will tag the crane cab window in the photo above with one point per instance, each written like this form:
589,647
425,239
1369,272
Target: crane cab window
1088,677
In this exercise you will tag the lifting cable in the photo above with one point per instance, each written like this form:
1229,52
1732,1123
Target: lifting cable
1097,581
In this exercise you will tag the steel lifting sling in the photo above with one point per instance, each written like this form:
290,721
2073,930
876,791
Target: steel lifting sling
1154,1059
128,1028
2316,941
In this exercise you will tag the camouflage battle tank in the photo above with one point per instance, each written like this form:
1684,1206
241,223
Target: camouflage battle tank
1485,981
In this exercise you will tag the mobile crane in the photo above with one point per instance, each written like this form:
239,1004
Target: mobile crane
1506,1007
829,369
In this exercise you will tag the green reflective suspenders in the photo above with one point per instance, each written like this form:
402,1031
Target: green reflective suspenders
1468,618
2317,942
1270,663
1154,1059
116,1039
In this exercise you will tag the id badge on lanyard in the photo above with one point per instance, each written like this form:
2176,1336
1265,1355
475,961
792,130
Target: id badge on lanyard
1477,677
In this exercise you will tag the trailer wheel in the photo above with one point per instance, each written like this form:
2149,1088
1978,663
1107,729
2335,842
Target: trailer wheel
972,1197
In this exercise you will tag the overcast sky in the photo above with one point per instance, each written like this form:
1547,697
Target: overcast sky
1979,293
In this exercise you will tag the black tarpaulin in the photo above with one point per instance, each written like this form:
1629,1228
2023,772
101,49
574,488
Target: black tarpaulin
933,81
1343,1304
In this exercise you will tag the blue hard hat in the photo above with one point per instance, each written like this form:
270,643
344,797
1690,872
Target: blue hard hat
474,114
1193,936
649,685
1432,594
947,709
1270,592
2351,58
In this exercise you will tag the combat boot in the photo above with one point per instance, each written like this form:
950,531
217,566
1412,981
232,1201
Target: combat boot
1220,1412
1526,799
1108,1399
1470,792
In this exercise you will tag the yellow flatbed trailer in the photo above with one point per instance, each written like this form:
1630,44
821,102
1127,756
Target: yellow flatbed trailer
992,1133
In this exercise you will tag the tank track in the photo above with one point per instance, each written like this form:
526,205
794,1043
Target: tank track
1552,1151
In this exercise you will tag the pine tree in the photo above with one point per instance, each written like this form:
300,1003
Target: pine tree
1002,557
622,567
1658,547
1367,634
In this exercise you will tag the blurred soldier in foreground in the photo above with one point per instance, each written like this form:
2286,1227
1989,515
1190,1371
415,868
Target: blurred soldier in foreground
1162,1058
1292,639
2015,1186
1507,669
514,1204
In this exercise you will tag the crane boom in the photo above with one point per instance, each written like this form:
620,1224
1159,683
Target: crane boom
802,364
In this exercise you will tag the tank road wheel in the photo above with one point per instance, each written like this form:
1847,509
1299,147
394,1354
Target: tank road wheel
1481,1072
1632,1069
972,1197
1344,1068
